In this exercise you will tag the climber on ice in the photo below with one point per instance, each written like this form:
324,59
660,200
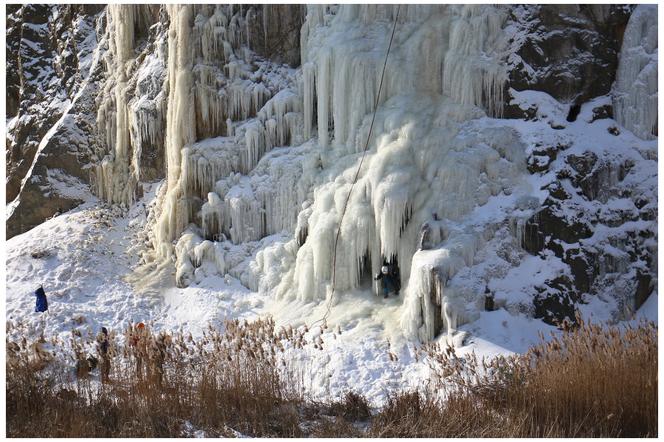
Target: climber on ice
488,299
389,281
42,303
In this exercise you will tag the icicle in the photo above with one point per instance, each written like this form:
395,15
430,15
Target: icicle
263,203
117,177
469,76
207,251
213,214
324,95
278,124
308,70
230,129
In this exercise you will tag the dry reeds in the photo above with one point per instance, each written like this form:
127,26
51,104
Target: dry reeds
158,384
591,381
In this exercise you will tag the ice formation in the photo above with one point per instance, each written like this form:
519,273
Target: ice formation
635,89
125,127
180,126
222,119
253,149
408,174
115,180
236,187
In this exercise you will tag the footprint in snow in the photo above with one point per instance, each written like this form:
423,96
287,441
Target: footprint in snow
65,275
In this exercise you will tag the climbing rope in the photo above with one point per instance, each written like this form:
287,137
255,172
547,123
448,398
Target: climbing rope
357,173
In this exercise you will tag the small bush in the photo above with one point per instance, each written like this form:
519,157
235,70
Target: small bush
353,406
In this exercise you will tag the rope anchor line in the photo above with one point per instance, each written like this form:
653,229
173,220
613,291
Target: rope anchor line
357,173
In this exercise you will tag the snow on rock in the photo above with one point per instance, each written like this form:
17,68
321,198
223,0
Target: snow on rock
56,60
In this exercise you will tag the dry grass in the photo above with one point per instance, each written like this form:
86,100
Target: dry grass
593,382
222,381
590,382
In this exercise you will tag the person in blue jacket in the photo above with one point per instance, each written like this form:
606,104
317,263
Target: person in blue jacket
390,282
42,303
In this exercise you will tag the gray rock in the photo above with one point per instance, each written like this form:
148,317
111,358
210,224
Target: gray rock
570,52
54,44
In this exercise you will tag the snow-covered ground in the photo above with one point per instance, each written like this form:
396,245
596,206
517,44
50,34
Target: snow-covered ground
84,256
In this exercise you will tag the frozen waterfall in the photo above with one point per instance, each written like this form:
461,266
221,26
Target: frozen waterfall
635,89
444,70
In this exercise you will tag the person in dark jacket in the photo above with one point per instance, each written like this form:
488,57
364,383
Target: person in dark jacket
42,303
488,299
389,279
104,358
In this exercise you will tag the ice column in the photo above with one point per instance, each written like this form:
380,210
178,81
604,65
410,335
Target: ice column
116,178
180,125
635,89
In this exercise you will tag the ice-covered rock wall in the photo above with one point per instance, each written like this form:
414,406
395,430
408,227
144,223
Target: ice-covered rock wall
118,174
253,148
227,108
420,160
635,90
132,104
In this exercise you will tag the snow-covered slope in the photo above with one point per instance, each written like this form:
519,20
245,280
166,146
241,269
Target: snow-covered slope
82,258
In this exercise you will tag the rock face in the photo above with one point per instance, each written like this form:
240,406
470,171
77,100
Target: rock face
597,224
275,31
53,77
568,51
571,52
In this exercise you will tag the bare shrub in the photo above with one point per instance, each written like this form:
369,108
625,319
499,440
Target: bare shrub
352,407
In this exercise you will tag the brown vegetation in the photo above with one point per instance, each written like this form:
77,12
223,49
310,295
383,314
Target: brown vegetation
590,381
